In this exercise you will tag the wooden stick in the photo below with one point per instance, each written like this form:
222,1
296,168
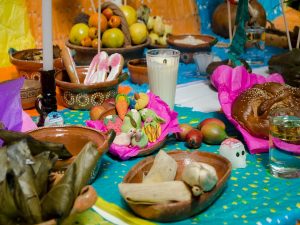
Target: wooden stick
93,6
286,26
99,25
125,2
298,39
229,21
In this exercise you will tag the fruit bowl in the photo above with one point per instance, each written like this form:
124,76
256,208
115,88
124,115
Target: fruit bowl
167,212
189,44
138,70
84,97
29,63
84,55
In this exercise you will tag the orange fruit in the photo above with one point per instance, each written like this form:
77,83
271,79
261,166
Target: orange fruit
86,42
93,21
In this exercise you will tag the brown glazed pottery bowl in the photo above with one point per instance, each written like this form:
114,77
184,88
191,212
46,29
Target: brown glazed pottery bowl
84,97
191,43
29,92
84,55
175,211
138,70
29,62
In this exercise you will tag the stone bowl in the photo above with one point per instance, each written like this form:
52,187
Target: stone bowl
169,212
84,97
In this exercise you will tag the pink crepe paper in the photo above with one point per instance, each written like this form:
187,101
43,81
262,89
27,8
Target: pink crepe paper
171,125
230,82
27,123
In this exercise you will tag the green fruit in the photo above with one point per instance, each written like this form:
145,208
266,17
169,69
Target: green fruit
129,13
113,38
213,134
78,32
138,33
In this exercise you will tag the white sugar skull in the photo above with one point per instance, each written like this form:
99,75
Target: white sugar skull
234,151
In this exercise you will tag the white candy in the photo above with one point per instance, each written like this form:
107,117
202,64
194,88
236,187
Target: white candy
234,151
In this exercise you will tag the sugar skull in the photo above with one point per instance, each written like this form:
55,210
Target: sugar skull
234,151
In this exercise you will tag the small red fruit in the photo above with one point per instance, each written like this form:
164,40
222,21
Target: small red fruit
86,42
211,120
194,138
185,128
114,21
108,13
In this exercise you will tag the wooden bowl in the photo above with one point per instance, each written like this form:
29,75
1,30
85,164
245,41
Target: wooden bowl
29,92
30,69
189,44
138,70
84,55
180,210
81,96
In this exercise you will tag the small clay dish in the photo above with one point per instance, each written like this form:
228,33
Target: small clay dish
175,211
29,62
29,92
138,70
189,44
84,97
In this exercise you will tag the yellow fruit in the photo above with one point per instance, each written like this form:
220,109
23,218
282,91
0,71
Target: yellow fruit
78,32
138,33
113,38
130,14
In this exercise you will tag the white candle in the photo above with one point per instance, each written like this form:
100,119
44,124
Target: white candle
47,35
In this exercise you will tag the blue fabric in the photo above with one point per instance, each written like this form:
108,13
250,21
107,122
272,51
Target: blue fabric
252,195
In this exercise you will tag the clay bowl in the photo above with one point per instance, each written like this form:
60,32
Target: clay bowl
84,97
189,44
74,138
30,68
29,92
138,70
180,210
84,55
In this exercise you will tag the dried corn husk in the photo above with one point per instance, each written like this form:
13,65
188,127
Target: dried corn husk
154,193
163,169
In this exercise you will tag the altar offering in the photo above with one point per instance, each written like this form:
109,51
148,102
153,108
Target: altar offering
202,171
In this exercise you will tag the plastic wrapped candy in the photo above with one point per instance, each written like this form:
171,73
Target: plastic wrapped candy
234,151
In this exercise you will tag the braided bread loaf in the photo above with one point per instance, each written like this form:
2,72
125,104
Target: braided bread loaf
252,107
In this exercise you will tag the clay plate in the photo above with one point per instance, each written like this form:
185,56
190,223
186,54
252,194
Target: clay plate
155,147
73,137
180,210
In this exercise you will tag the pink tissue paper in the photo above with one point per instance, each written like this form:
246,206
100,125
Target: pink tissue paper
171,125
230,82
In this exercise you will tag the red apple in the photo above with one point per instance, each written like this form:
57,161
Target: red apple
114,21
194,138
185,128
107,12
211,120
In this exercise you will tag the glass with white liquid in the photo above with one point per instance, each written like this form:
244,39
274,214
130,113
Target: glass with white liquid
162,67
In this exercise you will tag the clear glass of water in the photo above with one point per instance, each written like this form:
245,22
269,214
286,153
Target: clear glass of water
284,139
255,45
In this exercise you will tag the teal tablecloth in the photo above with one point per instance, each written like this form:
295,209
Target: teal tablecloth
252,195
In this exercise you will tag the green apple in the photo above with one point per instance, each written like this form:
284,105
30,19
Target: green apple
78,32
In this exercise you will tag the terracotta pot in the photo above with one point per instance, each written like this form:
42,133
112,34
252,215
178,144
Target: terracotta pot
30,69
175,211
138,70
84,97
29,92
84,55
220,17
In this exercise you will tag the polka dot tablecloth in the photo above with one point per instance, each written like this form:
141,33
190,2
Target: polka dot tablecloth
252,195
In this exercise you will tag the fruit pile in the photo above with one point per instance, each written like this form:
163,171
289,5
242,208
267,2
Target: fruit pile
211,131
157,29
112,34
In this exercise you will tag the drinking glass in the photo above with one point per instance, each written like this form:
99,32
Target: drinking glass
202,60
284,139
162,65
255,45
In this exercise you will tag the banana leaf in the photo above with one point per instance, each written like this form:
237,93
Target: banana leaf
34,145
58,202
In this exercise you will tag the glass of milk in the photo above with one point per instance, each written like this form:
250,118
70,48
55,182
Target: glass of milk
162,67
